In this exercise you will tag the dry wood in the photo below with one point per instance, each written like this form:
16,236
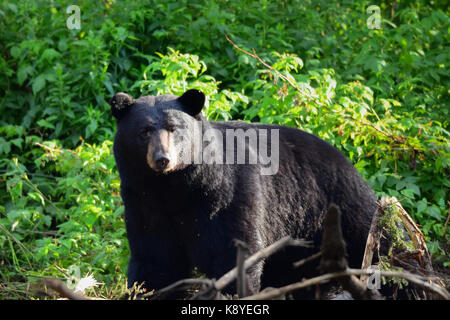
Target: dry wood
308,259
180,285
59,286
333,256
242,253
227,278
420,281
372,243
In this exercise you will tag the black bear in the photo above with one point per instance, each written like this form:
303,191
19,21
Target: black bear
190,186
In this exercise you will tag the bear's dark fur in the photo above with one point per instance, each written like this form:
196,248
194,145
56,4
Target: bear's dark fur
184,216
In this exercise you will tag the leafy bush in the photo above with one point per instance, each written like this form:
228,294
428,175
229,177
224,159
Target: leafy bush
381,96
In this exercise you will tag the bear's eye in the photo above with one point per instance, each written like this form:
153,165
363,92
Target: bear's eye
147,131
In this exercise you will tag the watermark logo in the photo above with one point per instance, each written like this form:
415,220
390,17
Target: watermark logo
233,146
374,21
73,276
374,280
74,20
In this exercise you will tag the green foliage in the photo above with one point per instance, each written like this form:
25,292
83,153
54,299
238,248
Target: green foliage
381,96
79,202
385,265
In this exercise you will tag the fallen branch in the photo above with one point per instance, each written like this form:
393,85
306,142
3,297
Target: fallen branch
59,286
227,278
333,261
211,289
420,281
180,285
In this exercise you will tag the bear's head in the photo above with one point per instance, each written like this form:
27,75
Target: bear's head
157,131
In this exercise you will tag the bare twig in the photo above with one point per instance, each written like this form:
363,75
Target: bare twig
306,94
180,286
48,233
52,149
308,259
227,278
282,76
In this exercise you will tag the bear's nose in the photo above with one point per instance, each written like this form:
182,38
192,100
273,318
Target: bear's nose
161,161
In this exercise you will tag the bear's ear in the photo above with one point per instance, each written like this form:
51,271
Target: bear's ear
120,104
193,101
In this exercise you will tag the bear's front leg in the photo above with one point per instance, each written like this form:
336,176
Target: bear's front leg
155,263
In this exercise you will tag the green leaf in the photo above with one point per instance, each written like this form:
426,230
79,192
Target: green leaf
434,212
49,55
23,73
44,123
38,83
17,142
90,129
421,206
15,52
414,188
5,146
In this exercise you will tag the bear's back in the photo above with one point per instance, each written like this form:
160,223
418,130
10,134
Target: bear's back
312,174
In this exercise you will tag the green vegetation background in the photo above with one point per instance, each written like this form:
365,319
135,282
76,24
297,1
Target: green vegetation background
380,96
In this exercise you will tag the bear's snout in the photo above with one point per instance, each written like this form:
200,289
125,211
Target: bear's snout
161,161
